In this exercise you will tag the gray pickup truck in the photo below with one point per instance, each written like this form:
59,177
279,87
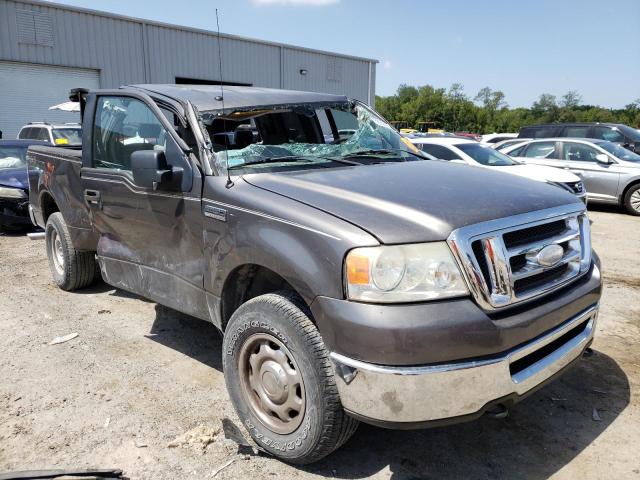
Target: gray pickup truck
353,280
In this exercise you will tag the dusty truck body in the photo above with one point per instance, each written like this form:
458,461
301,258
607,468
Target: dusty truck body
352,280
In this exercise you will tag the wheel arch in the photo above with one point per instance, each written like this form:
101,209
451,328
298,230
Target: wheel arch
628,186
48,205
248,281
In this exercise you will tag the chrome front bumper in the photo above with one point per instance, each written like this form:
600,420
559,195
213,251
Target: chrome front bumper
388,394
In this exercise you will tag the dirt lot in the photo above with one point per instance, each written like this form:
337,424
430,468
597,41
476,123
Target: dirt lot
139,375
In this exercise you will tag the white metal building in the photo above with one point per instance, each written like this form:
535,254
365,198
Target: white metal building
47,48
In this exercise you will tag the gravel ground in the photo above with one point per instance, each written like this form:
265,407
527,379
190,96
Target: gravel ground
140,375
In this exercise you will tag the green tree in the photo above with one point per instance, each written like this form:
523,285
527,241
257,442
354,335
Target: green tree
488,111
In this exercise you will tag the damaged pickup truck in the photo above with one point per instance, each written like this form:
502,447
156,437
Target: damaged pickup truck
353,280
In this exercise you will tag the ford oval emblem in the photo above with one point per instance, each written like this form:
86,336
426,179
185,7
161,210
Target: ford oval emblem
550,255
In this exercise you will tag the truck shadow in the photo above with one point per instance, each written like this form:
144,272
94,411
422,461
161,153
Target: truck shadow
195,338
542,434
607,208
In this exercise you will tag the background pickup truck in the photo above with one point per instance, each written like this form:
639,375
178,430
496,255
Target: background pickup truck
353,278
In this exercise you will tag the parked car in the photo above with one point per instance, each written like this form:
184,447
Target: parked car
67,134
352,280
14,186
480,155
504,144
472,136
493,138
623,135
611,173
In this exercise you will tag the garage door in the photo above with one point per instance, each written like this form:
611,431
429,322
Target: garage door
28,90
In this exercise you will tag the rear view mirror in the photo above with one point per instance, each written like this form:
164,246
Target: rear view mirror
150,170
603,158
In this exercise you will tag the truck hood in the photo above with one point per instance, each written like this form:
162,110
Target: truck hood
541,173
14,177
413,201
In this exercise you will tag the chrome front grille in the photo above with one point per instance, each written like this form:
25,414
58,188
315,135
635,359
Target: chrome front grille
514,259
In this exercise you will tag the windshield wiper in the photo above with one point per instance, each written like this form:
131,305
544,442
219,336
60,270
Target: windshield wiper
384,151
292,159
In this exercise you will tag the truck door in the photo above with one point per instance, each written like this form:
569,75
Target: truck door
150,240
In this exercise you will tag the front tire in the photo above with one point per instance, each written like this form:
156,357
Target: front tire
632,200
71,269
281,382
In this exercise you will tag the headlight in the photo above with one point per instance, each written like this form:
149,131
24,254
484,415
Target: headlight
403,273
8,192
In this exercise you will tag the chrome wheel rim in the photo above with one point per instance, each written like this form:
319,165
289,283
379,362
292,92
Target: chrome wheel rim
635,200
272,383
57,254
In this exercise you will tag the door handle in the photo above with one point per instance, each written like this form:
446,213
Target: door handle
92,197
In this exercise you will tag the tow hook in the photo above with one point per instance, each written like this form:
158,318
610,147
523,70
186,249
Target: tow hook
498,412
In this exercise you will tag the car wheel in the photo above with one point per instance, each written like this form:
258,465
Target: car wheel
281,382
632,200
71,269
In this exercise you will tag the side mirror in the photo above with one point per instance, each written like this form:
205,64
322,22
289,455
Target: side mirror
603,158
150,170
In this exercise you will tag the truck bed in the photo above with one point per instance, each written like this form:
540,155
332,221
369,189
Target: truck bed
55,185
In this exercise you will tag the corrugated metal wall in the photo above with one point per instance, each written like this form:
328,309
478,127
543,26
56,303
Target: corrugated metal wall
127,50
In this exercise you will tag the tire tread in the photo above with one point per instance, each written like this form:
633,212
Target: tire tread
338,426
80,266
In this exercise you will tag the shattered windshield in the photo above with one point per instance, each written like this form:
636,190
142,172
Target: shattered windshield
305,136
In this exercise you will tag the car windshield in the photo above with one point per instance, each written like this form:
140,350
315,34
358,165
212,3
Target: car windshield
486,155
632,133
67,136
506,144
305,136
13,157
620,152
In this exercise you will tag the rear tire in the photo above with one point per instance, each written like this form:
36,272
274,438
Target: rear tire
71,269
632,200
281,381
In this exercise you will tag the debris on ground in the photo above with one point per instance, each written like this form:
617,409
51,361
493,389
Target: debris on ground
200,435
222,467
232,432
595,415
107,422
100,312
86,474
141,444
235,440
63,338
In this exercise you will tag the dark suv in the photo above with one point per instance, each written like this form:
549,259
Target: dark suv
613,132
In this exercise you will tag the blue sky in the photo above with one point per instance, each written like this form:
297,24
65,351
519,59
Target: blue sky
523,48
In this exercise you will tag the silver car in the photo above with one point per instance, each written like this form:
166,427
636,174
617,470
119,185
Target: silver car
611,173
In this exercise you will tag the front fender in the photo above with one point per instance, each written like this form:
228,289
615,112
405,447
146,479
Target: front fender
303,245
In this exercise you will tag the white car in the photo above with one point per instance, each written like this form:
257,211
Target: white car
68,135
476,154
497,137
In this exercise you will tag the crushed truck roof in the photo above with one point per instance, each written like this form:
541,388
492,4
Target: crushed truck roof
209,97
